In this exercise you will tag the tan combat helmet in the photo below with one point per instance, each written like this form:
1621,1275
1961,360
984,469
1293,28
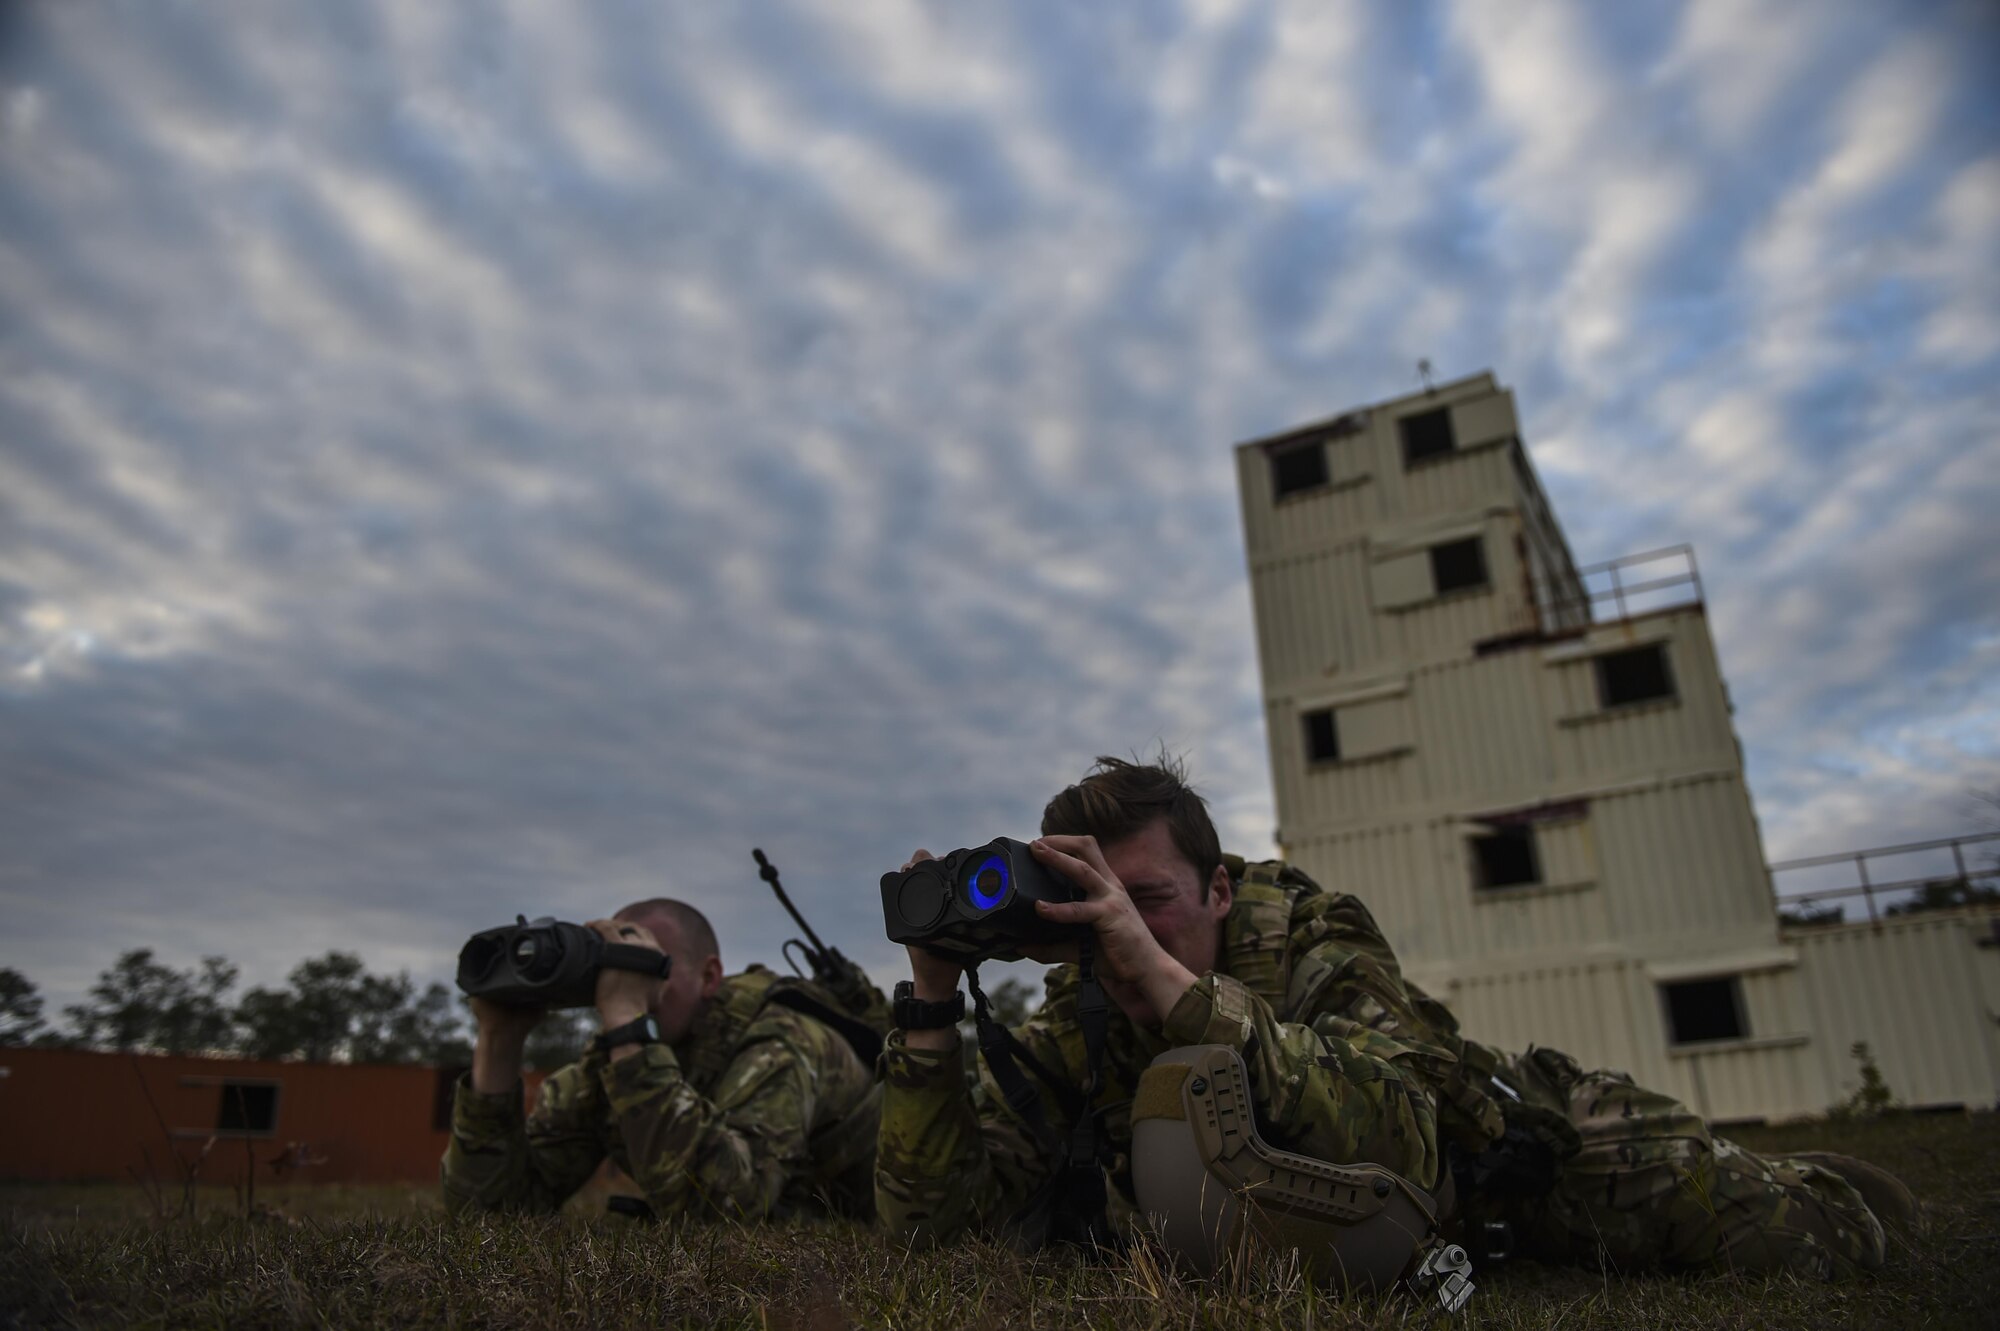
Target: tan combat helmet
1213,1188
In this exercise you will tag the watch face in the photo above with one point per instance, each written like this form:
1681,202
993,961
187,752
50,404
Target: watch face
652,1029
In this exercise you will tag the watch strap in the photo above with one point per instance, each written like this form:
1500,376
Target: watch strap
911,1013
639,1030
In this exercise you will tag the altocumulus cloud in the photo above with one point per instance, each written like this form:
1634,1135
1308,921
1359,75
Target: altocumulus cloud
457,459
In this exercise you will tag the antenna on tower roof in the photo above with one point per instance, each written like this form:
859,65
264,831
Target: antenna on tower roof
1424,373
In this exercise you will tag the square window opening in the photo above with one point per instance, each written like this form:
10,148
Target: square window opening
1426,435
1703,1010
1322,736
1457,565
1506,858
1298,468
248,1107
1638,674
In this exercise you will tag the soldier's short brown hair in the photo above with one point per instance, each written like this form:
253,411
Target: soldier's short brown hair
695,930
1117,798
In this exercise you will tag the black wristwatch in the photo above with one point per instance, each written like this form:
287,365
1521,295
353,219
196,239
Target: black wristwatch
639,1030
914,1014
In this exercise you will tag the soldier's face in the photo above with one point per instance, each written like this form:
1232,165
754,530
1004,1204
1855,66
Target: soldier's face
678,999
1167,890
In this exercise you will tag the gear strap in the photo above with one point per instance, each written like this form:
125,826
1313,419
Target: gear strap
645,960
1081,1218
1078,1215
863,1039
998,1047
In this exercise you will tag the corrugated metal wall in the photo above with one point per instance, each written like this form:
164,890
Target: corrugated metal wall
1585,1008
1318,617
1302,521
1418,881
1680,865
1484,730
1306,619
1693,730
1657,871
1464,482
1915,989
1905,988
1608,1014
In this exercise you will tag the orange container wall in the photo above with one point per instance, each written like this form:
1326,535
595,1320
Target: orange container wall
76,1115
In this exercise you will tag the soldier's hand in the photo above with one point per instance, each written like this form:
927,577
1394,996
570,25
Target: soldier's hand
505,1024
622,995
502,1040
933,978
1136,970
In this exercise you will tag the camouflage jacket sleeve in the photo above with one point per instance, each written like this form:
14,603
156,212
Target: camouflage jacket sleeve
496,1161
951,1158
1344,972
732,1153
1333,1089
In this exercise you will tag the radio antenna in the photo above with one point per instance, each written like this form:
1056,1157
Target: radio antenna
769,873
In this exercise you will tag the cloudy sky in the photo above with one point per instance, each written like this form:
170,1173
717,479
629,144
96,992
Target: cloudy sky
467,458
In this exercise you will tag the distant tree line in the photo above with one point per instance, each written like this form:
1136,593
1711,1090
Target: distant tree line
330,1009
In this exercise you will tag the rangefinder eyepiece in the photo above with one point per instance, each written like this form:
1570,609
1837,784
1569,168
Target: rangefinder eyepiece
976,904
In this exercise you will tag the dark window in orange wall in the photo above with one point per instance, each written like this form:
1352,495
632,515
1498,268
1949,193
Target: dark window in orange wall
248,1108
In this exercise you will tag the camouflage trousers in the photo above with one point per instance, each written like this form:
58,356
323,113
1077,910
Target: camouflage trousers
1654,1188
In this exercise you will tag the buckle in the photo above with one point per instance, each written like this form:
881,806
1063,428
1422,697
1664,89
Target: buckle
1447,1267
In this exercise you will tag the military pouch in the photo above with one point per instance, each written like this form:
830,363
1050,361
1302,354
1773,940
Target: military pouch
1519,1165
1537,1099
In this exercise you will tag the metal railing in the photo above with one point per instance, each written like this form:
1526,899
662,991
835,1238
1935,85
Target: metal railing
1613,581
1944,870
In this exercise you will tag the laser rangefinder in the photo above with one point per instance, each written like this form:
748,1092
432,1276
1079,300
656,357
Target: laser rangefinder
976,904
547,963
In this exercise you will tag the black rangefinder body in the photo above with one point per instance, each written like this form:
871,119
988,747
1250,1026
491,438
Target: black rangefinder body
547,963
976,904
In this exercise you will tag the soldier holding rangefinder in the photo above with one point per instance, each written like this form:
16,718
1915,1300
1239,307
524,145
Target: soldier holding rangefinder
742,1096
1235,1058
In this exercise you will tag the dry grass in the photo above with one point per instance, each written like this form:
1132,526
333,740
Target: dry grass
349,1257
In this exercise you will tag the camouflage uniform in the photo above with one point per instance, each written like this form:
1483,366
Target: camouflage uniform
1650,1186
1350,1063
1292,993
762,1112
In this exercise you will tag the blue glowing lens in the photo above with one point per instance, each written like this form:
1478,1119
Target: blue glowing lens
991,873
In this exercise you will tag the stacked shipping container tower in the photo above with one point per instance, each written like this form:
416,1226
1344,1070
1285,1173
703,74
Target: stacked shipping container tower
1528,770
